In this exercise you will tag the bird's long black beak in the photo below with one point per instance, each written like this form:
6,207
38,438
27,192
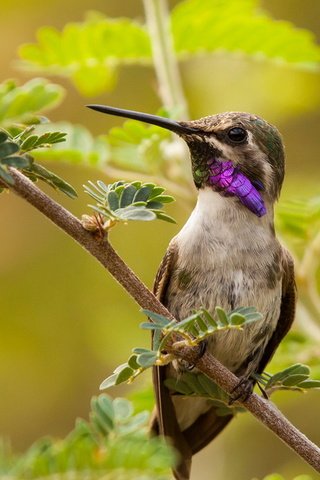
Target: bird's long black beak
163,122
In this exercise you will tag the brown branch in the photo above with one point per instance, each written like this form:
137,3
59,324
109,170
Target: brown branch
264,410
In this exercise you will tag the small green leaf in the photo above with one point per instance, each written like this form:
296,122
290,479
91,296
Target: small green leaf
123,409
17,162
135,213
142,194
208,385
147,359
309,384
163,198
110,381
103,186
29,143
178,386
120,367
294,380
132,362
127,196
102,415
3,136
237,319
185,323
113,200
124,375
154,205
8,148
210,320
250,314
52,179
103,406
295,369
151,326
47,139
140,350
5,175
203,327
119,189
222,316
165,217
156,192
302,369
22,103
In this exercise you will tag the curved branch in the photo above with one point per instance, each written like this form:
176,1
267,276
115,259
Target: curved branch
263,410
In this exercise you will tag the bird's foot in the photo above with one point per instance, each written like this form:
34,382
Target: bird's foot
242,390
183,365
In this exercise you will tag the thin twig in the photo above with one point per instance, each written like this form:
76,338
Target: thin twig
171,91
264,410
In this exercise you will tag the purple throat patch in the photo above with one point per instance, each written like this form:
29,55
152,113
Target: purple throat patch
231,181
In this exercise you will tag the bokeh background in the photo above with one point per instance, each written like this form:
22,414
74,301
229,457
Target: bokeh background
57,304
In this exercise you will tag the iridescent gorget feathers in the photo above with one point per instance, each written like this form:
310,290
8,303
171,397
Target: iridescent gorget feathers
230,181
260,158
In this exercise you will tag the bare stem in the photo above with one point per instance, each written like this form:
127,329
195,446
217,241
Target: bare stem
264,410
164,59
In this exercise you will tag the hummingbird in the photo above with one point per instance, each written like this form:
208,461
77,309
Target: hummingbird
227,254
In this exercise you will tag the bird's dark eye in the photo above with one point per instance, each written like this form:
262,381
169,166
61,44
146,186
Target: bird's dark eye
237,134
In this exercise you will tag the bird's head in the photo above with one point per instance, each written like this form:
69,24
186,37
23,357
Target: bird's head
237,154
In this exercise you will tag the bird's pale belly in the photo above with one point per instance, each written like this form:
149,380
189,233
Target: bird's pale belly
239,350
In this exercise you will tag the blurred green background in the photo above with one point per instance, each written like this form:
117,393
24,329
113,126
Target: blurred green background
56,343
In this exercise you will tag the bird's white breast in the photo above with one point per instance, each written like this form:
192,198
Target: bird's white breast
224,253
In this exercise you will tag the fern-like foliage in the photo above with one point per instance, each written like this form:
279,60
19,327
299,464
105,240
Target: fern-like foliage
201,324
89,52
298,346
199,385
22,103
113,444
138,147
121,201
193,330
296,377
19,115
213,25
79,147
14,152
133,147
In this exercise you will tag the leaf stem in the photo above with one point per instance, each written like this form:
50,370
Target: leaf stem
101,249
164,58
